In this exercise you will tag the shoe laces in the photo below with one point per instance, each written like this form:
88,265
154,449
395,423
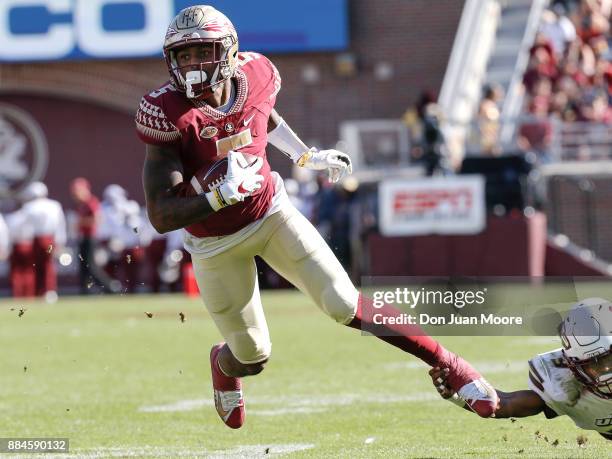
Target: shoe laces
230,399
479,389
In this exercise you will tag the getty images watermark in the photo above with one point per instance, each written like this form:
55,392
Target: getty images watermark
472,306
404,297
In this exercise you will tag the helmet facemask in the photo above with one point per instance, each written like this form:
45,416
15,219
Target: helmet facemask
201,80
595,373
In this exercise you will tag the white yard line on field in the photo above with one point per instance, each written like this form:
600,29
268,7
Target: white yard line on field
181,405
261,451
514,366
243,451
297,404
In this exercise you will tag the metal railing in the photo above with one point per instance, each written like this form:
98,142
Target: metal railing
581,141
578,203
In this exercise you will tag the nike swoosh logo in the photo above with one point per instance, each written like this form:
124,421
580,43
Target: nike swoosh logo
222,413
248,120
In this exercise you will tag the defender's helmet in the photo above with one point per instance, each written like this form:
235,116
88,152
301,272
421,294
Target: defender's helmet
199,25
586,335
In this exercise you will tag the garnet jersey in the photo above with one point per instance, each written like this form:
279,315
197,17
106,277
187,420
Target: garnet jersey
564,395
203,135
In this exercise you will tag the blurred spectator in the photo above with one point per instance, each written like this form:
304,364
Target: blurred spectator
21,260
557,29
541,65
176,262
489,119
132,255
325,201
47,218
592,19
120,234
155,248
596,108
293,191
88,210
110,227
307,189
434,155
5,240
424,121
342,221
573,83
535,134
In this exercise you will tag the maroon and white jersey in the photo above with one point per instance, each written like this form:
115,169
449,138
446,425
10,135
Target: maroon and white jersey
555,383
203,135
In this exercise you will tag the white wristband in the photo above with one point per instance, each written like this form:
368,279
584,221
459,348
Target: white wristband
287,141
215,199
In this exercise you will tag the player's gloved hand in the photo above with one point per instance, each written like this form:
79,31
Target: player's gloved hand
338,164
240,182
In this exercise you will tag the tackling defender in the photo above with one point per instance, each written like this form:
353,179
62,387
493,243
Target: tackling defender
575,380
220,103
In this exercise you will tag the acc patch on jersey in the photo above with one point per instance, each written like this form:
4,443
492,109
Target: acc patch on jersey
208,132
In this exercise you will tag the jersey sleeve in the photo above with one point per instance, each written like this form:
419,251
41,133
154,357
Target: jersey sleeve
275,82
554,383
264,79
153,126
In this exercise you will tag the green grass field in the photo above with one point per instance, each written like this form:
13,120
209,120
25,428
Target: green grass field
120,384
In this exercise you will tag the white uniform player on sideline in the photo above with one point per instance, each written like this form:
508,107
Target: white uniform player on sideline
110,227
5,241
47,218
573,381
219,102
21,235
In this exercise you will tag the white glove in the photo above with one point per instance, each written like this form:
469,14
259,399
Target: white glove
338,164
239,183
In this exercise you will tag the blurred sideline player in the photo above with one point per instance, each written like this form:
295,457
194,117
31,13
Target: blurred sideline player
88,211
21,235
574,380
47,218
5,240
219,102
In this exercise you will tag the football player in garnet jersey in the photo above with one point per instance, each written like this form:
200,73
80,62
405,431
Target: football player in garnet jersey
574,380
219,103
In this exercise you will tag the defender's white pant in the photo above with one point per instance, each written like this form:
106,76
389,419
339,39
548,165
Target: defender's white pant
289,243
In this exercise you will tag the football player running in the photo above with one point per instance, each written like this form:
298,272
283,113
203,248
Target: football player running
219,103
574,380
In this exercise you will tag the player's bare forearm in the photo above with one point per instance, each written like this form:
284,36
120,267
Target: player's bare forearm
168,210
518,404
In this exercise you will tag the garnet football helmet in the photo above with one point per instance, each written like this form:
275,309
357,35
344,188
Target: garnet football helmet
586,335
201,25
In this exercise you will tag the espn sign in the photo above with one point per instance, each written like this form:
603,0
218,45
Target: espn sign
445,205
46,30
58,29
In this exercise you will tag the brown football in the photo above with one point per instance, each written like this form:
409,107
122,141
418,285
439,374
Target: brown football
205,180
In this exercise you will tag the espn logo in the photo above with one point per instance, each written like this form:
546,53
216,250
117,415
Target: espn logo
455,201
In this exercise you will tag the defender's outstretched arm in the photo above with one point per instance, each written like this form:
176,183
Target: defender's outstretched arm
517,404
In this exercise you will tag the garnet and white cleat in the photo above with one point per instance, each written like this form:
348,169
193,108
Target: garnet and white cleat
227,392
479,395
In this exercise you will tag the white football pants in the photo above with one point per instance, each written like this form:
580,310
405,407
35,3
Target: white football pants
293,247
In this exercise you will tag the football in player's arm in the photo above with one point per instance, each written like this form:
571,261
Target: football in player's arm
575,380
